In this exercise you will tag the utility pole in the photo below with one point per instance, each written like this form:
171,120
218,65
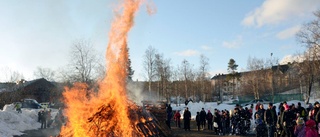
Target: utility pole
272,83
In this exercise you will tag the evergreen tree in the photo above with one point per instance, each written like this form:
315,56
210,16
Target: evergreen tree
233,74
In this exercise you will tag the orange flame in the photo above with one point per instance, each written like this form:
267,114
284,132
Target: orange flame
82,104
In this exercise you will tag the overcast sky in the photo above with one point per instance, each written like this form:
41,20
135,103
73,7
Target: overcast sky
39,33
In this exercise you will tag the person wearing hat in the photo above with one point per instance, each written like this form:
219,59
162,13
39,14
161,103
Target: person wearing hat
209,118
287,120
311,130
203,118
299,130
186,119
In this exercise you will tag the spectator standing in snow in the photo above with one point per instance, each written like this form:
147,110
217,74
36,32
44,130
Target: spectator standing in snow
270,118
176,118
203,118
259,126
186,119
287,120
217,120
198,120
39,116
209,118
311,130
299,129
169,115
17,106
43,119
302,111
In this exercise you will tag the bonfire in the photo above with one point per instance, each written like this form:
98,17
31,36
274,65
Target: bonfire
109,112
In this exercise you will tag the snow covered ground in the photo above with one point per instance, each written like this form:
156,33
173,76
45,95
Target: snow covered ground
14,123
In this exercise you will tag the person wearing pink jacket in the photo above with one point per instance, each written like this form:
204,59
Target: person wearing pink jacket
311,130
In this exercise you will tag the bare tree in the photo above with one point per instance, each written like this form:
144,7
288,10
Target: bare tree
309,36
163,75
176,85
46,73
84,64
255,82
149,65
186,73
203,76
307,71
11,75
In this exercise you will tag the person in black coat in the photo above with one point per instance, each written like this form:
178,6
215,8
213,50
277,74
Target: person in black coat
217,119
203,118
302,111
270,118
186,119
43,119
261,111
198,120
169,115
287,120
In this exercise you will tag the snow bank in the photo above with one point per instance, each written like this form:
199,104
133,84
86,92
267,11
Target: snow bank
13,123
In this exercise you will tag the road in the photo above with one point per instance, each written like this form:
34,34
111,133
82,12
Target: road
175,132
178,132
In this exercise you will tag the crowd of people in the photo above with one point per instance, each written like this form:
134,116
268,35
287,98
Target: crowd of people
291,120
285,120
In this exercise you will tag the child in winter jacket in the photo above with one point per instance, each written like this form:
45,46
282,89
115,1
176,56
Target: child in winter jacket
311,130
176,118
299,129
260,126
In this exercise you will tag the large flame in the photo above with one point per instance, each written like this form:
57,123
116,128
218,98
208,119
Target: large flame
86,110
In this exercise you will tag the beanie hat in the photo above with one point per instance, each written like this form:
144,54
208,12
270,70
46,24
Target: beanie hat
286,106
299,121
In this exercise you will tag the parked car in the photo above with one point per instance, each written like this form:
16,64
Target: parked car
45,104
30,103
255,101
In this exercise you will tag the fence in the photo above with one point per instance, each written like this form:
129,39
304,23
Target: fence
277,97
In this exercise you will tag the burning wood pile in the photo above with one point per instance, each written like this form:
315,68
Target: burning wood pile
143,123
158,109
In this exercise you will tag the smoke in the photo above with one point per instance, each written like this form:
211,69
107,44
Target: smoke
134,92
151,8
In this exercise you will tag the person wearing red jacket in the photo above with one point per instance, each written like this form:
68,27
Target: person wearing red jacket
176,118
310,128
